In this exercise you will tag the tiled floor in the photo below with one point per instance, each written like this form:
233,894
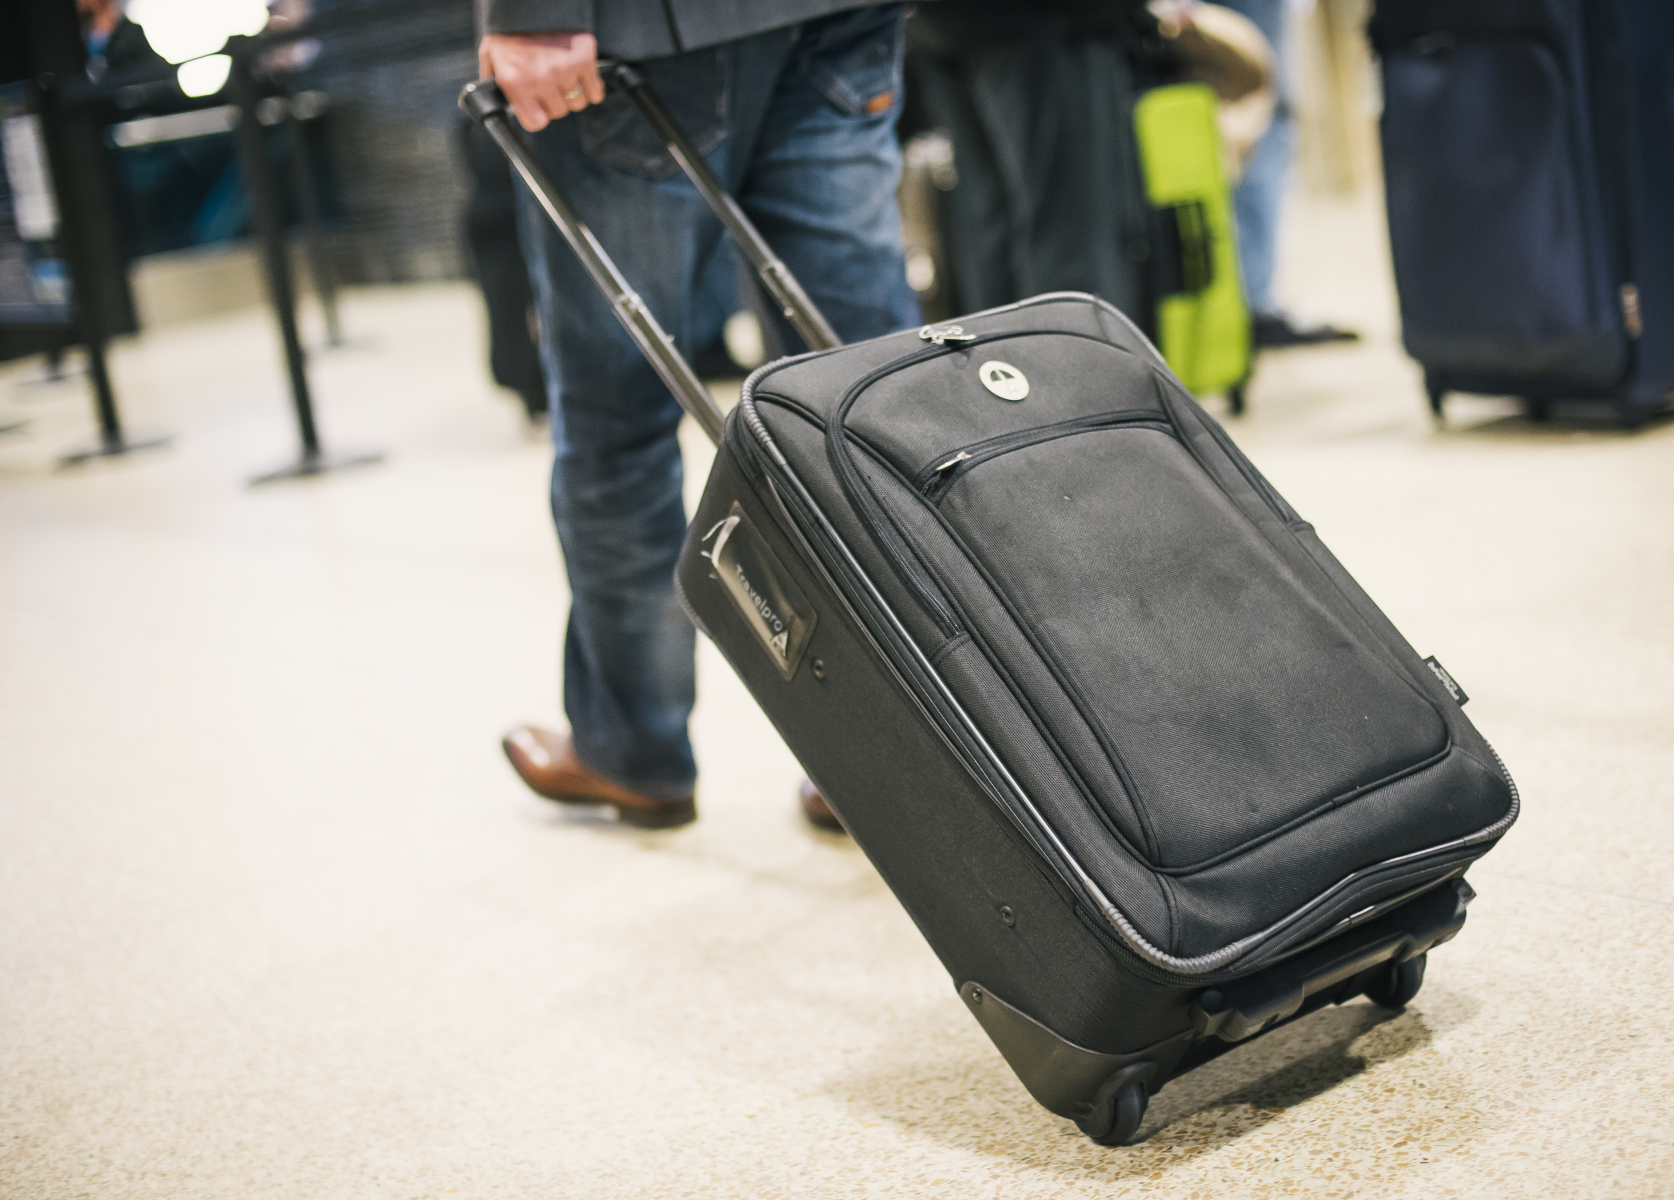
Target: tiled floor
276,920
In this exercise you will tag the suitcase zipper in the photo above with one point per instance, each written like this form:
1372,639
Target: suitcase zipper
867,508
871,513
934,480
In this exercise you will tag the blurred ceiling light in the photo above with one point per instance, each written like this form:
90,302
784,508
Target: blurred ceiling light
180,30
204,76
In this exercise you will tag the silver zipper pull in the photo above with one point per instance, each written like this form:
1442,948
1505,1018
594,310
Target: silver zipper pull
937,334
954,461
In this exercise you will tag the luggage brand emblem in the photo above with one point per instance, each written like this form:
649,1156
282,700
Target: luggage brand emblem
1447,681
1003,379
771,604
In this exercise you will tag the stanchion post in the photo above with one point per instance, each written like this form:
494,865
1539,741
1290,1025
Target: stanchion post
313,227
276,263
270,233
72,156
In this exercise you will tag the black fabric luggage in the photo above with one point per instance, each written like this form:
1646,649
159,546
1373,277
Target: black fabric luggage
1148,769
1529,184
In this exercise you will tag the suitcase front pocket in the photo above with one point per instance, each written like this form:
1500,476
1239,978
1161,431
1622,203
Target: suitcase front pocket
943,471
1231,702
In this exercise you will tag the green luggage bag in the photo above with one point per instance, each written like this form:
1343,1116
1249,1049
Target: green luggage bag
1203,323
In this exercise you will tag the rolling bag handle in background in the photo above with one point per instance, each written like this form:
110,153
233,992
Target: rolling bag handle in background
486,104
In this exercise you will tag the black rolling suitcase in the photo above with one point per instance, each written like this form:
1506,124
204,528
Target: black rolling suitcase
1148,769
1529,184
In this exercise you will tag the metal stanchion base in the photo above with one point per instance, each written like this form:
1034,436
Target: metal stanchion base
318,463
46,378
115,447
363,341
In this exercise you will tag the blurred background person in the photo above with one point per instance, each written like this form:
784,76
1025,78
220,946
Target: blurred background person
1258,201
115,44
1037,98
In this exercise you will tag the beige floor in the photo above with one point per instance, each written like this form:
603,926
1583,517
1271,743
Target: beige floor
276,920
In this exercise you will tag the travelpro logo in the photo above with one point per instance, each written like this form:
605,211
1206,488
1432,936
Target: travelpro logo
781,636
1447,681
773,606
780,640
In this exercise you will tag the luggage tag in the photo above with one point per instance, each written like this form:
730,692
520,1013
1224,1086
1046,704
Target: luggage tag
772,605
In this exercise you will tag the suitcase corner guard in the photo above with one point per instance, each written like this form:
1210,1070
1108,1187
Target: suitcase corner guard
1065,1078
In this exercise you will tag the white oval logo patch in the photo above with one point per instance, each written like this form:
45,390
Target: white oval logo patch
1003,379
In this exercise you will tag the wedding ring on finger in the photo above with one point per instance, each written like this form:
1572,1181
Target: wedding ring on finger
575,93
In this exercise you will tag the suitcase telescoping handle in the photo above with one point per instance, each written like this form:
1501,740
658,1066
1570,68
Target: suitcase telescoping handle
793,302
486,104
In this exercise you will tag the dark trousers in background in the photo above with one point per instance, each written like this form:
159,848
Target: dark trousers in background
1049,195
497,262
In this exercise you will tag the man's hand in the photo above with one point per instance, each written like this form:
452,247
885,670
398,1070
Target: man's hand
545,76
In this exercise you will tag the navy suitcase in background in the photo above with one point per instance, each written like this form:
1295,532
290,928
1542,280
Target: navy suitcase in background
1530,185
1148,769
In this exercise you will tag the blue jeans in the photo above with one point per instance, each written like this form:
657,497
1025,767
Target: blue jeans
799,124
1259,199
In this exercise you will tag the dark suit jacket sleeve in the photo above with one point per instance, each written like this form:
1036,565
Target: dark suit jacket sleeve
638,29
535,16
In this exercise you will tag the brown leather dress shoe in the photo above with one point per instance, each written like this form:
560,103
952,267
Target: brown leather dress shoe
546,761
816,809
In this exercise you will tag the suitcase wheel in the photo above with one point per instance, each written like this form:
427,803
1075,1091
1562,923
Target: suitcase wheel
1397,988
1235,399
1538,409
1113,1116
1437,396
